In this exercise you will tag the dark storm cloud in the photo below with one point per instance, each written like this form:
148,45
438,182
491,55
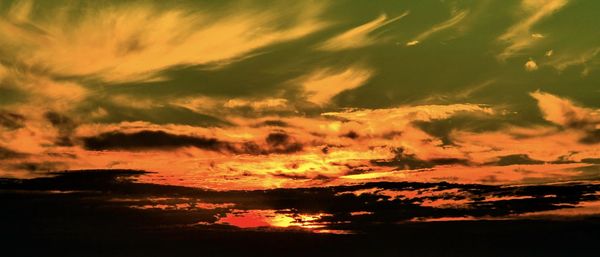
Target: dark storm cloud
280,142
146,139
449,161
277,142
514,159
11,120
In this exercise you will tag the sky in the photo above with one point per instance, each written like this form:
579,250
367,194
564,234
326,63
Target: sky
264,94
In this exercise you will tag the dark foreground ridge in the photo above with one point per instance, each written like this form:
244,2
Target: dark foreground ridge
107,213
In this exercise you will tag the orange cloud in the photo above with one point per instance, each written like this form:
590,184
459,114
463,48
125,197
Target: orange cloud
564,112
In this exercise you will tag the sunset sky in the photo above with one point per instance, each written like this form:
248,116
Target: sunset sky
300,128
266,94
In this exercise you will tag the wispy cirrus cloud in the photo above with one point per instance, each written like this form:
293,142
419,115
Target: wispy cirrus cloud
453,21
519,36
587,58
133,42
321,85
359,36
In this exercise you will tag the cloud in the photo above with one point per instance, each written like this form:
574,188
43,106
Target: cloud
403,160
133,42
32,129
275,143
65,126
519,36
455,19
11,120
258,105
531,65
239,106
20,11
273,123
591,160
322,85
6,153
280,142
564,112
401,116
585,58
130,101
41,90
144,140
359,36
39,166
591,137
514,159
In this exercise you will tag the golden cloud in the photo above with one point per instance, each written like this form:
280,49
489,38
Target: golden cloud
131,42
359,36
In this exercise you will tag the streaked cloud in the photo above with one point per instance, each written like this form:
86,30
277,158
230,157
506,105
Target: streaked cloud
265,104
403,115
323,84
132,42
519,36
19,12
360,36
44,91
455,19
587,58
